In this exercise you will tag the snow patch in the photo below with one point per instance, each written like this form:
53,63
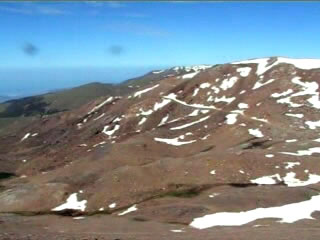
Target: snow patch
205,85
190,124
260,119
224,99
142,121
244,71
190,75
288,213
313,125
195,92
308,88
299,63
173,97
243,106
291,164
160,105
267,180
157,72
262,64
283,94
205,137
215,89
129,210
97,118
72,203
291,140
214,195
112,131
177,231
289,180
255,132
316,140
228,83
96,145
100,105
259,84
307,152
25,137
231,118
163,120
287,100
194,113
297,115
173,141
112,205
139,93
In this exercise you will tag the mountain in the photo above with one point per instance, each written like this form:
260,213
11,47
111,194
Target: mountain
5,98
23,111
204,146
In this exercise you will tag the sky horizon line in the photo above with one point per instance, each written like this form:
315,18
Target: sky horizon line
49,44
156,67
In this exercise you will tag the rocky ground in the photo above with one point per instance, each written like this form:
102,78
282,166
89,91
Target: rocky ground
104,227
213,152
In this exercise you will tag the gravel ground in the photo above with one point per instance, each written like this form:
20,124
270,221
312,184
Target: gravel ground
106,227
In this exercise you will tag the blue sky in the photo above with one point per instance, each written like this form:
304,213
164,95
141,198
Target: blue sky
48,45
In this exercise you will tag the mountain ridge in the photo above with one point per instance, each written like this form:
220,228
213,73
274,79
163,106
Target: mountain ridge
186,148
24,110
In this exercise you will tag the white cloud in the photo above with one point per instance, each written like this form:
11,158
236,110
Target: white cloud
115,4
33,9
134,15
136,28
50,11
15,10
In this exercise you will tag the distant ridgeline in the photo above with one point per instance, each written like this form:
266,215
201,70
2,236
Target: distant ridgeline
29,106
13,111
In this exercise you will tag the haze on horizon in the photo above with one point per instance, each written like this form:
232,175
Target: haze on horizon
54,45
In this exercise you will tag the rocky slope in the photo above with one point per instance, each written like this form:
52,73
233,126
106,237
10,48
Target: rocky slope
195,147
21,112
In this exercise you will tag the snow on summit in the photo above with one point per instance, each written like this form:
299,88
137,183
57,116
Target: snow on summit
190,68
263,63
192,71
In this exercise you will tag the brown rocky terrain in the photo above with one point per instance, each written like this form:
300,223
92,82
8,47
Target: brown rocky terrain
229,150
18,113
